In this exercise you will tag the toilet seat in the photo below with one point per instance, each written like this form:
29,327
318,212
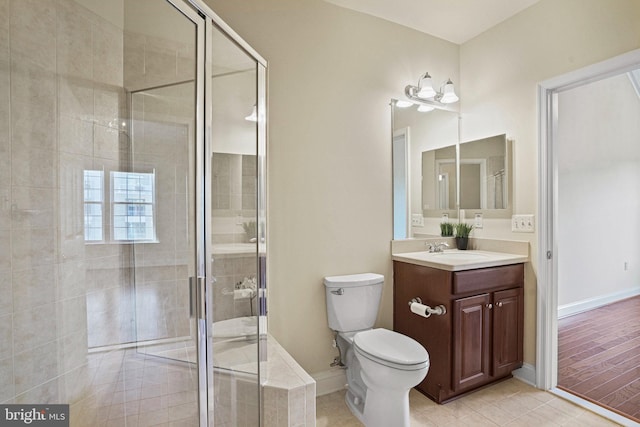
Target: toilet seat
391,349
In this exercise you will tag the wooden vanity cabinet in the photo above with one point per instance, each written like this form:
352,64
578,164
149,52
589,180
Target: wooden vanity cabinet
478,340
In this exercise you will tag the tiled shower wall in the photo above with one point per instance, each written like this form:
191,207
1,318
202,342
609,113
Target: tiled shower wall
60,89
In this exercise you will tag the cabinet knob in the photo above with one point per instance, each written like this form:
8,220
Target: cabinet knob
489,306
499,304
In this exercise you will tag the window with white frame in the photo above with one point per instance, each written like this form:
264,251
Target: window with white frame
93,205
131,199
132,204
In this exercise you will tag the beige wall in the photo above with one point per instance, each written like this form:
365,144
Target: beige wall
499,73
331,74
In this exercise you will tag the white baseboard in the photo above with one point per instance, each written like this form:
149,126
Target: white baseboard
526,374
591,303
330,381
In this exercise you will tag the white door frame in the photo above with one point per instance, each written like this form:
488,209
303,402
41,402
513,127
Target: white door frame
547,298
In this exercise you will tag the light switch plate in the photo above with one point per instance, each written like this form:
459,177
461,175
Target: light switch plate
417,220
523,223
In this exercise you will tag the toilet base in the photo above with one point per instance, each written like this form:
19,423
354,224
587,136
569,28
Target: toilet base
356,406
384,409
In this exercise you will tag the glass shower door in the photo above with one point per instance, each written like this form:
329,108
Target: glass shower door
237,238
158,203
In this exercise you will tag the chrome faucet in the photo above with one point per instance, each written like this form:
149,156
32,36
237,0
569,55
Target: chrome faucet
437,247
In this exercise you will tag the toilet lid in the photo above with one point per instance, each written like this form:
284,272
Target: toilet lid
390,346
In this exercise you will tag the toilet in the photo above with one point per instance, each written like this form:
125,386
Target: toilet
382,365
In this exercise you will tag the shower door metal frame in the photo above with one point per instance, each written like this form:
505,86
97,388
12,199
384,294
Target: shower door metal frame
205,279
197,284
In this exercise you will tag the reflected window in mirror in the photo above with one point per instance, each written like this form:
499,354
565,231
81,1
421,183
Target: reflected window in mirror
486,170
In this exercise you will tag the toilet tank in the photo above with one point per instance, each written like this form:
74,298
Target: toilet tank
353,301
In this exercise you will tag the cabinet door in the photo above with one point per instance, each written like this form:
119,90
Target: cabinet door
508,317
471,340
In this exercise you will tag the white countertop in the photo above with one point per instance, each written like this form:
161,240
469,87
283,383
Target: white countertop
456,260
234,249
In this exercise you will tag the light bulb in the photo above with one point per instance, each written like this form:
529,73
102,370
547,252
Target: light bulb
403,104
426,88
448,94
425,108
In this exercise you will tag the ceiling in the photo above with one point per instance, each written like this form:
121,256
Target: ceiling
454,20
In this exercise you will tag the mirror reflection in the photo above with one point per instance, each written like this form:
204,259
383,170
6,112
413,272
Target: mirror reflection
414,133
439,180
435,175
485,176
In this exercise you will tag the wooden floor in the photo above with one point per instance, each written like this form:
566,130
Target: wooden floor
599,356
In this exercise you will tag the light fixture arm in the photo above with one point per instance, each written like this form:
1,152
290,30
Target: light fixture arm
411,92
424,76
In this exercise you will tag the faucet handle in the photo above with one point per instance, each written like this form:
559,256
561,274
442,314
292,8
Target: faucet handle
436,247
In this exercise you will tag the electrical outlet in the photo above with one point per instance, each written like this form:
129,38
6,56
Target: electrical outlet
477,223
523,223
417,220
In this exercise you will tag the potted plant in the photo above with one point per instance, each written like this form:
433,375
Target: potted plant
462,234
250,230
446,229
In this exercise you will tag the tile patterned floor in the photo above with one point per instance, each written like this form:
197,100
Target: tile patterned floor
509,403
124,388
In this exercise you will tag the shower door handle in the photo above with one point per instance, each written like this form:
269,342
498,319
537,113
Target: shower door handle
192,296
196,298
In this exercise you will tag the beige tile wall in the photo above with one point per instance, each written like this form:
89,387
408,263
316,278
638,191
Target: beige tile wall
46,66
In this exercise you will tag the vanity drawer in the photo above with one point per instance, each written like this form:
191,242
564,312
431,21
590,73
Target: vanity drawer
487,279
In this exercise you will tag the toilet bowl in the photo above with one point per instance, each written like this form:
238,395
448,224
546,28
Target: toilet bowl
391,364
382,365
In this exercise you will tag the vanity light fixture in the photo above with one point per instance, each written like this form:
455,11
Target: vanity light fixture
253,117
427,95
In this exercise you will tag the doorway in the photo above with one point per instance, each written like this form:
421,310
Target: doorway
578,165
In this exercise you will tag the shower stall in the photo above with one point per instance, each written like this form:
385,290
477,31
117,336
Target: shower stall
132,213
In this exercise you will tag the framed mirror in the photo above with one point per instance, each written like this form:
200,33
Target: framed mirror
435,175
